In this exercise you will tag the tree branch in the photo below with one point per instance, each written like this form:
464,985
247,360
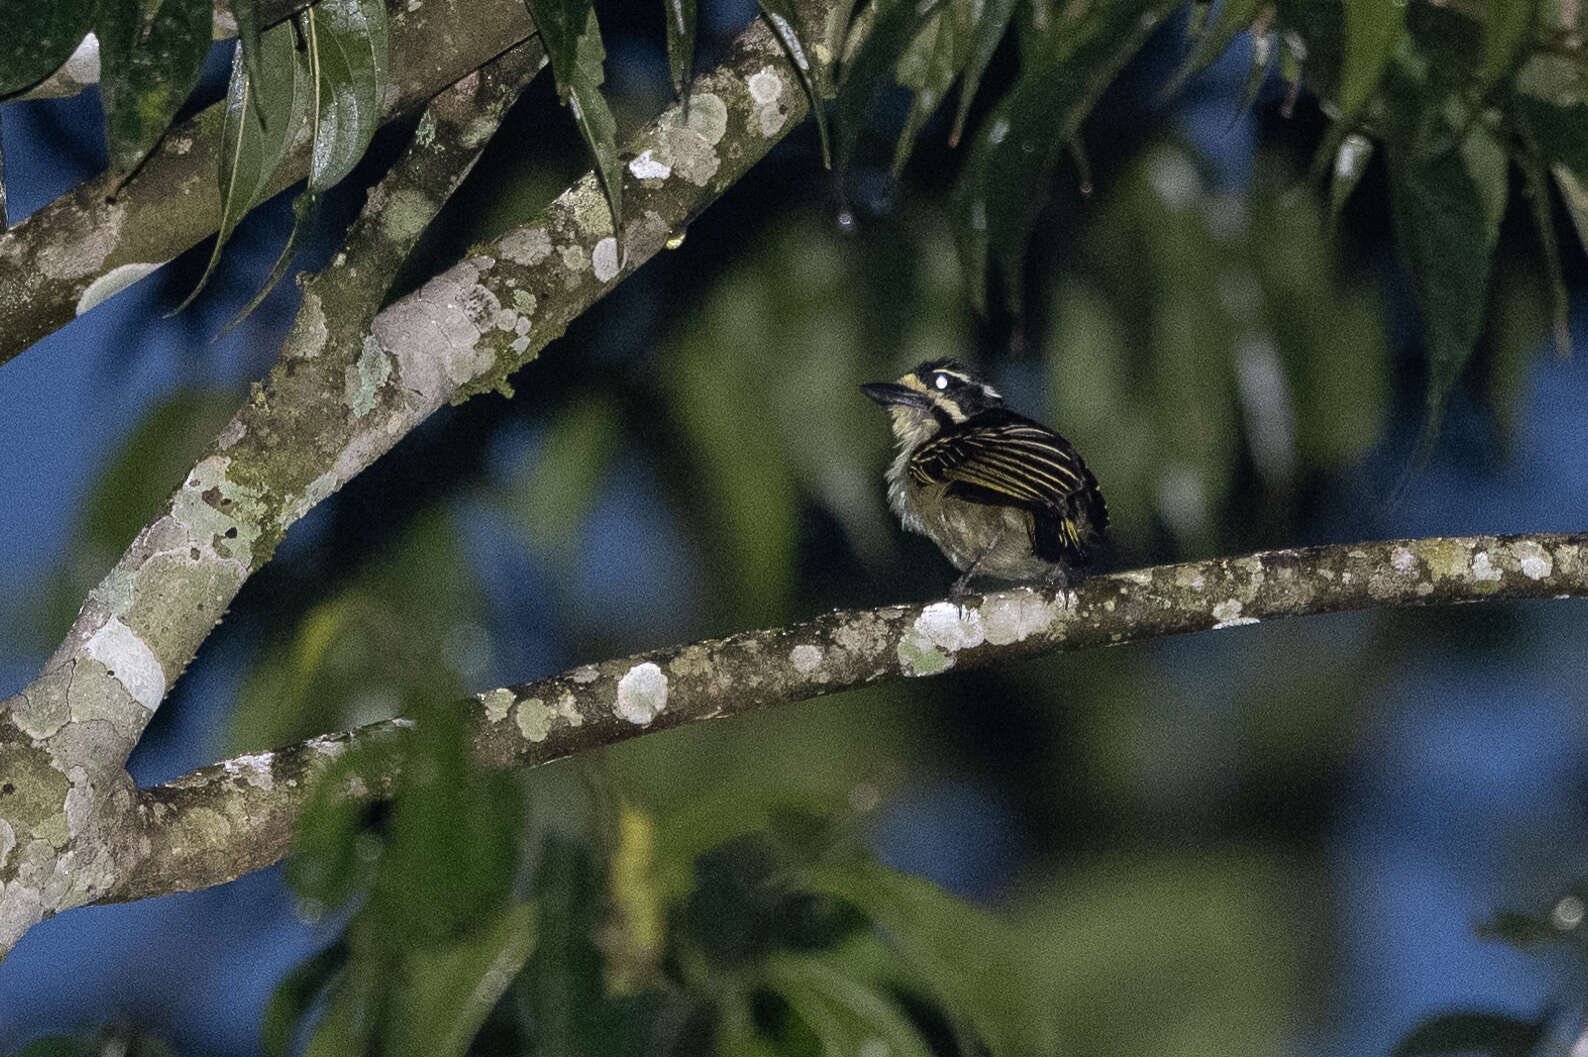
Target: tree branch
220,822
63,740
70,254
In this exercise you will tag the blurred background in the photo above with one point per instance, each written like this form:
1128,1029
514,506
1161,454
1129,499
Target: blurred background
1277,839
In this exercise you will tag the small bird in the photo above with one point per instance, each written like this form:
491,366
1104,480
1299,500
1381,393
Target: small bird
1001,495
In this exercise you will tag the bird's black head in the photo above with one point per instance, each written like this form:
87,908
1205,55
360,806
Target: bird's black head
942,390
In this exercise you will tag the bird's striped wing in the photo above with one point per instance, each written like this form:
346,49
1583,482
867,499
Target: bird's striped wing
1020,461
1003,459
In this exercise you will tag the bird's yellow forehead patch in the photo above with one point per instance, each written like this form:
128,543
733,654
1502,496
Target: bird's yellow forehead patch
910,381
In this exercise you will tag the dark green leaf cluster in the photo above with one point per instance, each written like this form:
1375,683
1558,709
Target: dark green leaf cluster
435,934
786,939
325,68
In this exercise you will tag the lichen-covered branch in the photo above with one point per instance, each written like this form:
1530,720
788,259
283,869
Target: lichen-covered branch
217,823
63,740
93,242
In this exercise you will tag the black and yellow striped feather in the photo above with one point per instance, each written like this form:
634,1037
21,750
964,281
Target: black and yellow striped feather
999,458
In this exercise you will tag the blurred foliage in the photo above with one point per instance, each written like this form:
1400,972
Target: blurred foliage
406,628
111,1041
784,937
1210,330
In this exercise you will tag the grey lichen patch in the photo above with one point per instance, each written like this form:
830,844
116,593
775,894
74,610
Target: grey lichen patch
526,246
692,662
210,507
254,770
129,660
568,708
586,674
21,907
406,214
84,254
1483,569
200,827
433,335
642,694
766,91
1532,560
362,380
574,258
1014,616
1402,560
534,719
114,282
805,658
497,703
478,130
605,261
79,801
688,143
951,626
648,165
1227,614
8,840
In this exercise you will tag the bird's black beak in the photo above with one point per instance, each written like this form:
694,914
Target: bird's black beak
886,393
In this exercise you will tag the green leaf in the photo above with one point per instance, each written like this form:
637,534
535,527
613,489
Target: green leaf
949,947
1350,162
293,998
264,113
1536,184
450,992
929,66
304,208
1468,1033
39,37
897,24
1575,195
1372,29
572,37
990,18
249,34
680,18
563,981
150,55
784,17
348,42
1506,29
1447,206
1000,192
844,1013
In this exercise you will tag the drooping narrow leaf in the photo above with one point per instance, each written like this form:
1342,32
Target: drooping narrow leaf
999,193
1372,28
150,55
1455,1033
1536,184
784,18
929,66
680,18
572,37
896,25
450,991
296,993
848,1015
1350,162
246,12
1575,195
989,20
1447,206
349,40
346,57
263,116
304,208
38,38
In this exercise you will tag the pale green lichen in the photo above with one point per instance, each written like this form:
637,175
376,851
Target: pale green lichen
406,214
363,379
525,302
917,656
534,719
497,703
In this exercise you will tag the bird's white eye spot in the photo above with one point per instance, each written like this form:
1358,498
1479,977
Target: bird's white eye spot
941,381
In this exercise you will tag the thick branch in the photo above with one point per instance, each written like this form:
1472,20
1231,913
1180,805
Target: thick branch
69,255
64,738
222,821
